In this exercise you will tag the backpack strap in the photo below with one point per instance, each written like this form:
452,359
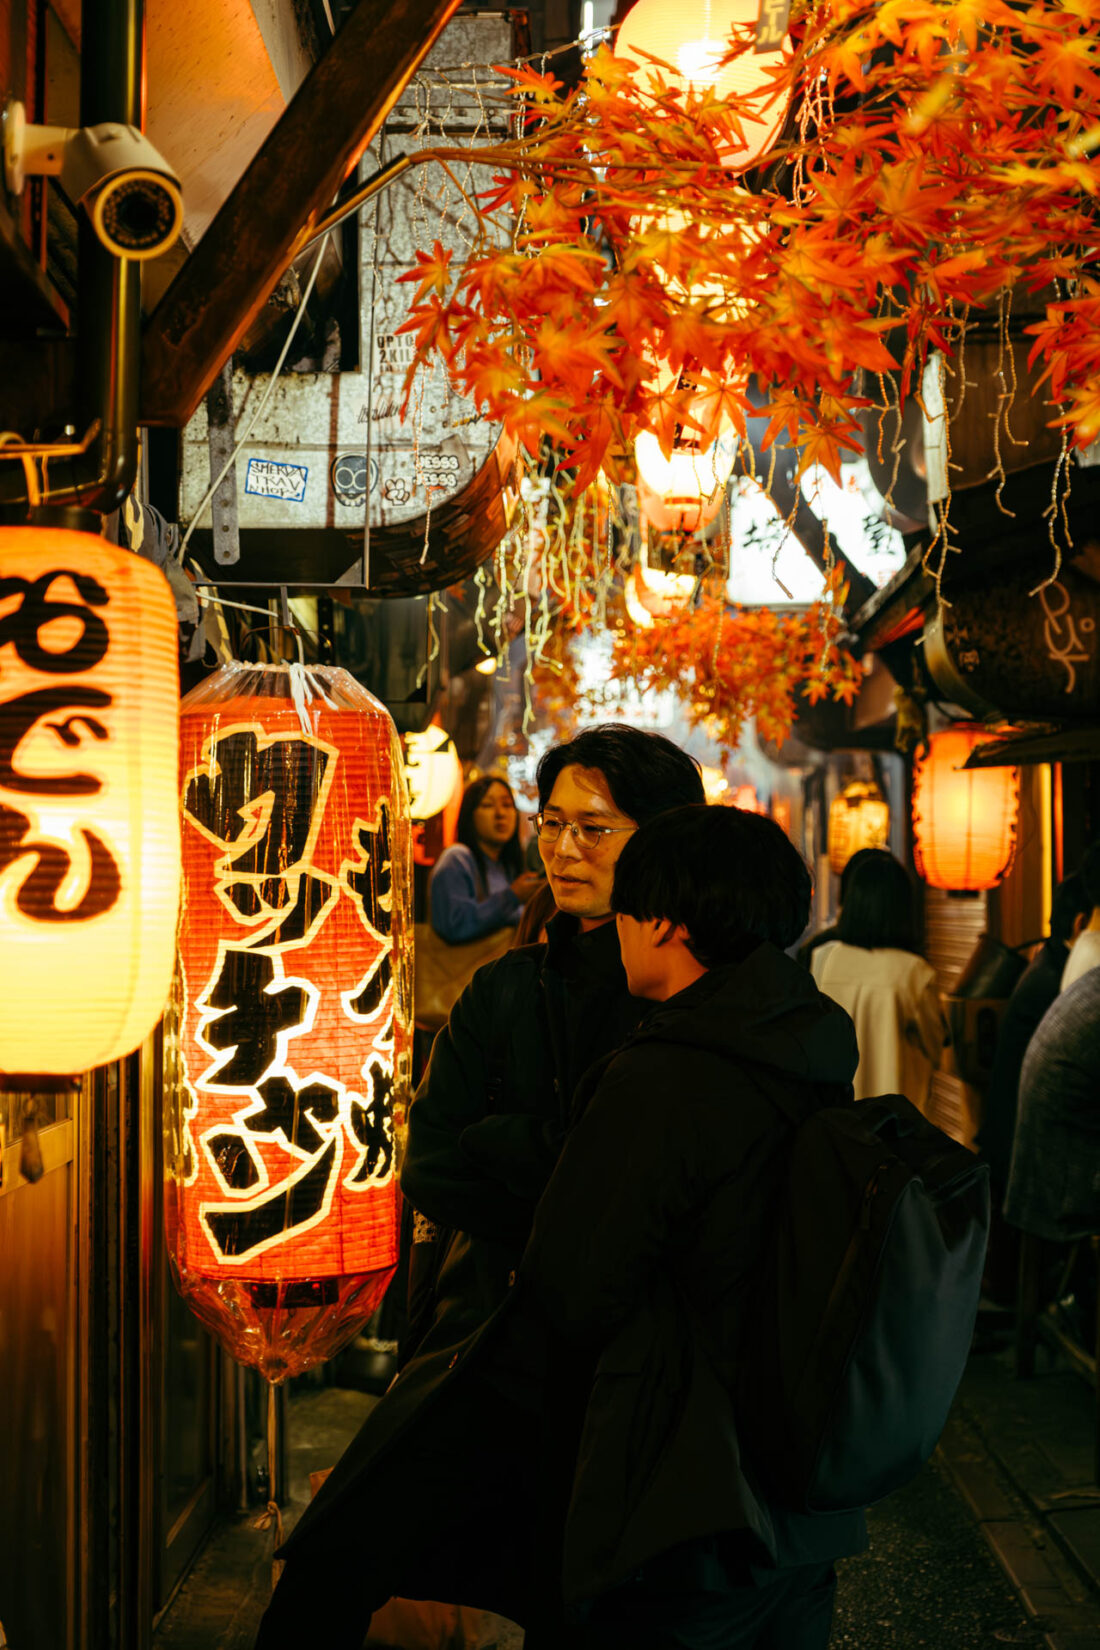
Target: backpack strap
795,1108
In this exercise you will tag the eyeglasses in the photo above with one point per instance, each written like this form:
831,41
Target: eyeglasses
585,836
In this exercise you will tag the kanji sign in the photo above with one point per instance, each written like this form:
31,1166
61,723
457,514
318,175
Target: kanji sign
89,832
294,1010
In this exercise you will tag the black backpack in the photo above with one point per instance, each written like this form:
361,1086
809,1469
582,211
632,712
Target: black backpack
866,1306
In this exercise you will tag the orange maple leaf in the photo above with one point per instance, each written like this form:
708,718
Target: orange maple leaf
432,272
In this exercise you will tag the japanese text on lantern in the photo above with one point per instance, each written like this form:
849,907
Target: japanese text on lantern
289,1037
89,832
44,733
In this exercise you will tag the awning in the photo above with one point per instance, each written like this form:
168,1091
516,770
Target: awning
1046,742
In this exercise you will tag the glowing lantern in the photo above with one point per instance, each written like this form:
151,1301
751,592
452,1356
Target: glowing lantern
676,264
89,827
964,821
433,771
858,818
651,594
293,1015
684,491
692,37
715,783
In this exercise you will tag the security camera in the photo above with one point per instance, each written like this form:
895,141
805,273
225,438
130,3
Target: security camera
127,188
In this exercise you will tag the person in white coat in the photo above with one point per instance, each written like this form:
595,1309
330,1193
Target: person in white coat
874,969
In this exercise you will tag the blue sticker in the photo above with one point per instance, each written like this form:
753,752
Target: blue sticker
282,481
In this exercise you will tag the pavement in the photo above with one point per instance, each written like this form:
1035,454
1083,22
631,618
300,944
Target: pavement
1020,1455
995,1543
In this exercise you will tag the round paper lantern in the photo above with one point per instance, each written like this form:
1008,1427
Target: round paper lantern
732,241
858,818
684,491
692,37
651,594
433,771
293,1012
964,821
89,823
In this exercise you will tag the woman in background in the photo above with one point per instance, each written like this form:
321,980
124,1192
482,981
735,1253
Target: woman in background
874,969
479,884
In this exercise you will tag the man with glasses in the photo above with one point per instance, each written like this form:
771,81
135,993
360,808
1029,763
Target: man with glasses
448,1492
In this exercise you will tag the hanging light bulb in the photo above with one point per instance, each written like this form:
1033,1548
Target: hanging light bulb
692,37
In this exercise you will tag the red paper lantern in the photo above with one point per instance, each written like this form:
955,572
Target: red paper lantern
293,1013
692,37
89,826
964,820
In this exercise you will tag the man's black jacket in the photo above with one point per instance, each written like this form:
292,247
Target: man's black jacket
484,1133
645,1248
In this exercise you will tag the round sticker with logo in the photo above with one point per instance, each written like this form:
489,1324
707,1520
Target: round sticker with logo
349,478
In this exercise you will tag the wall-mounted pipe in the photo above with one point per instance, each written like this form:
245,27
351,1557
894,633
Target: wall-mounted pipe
108,315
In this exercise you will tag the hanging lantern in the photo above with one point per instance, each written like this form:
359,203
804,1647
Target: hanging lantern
858,818
693,37
89,825
677,268
651,594
433,771
293,1013
964,820
683,492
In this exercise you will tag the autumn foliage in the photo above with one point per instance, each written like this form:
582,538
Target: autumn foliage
941,155
940,160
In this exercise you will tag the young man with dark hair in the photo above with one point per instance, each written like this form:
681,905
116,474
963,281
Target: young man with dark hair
445,1493
652,1230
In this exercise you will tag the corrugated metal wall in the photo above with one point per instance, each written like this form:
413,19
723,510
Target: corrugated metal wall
953,924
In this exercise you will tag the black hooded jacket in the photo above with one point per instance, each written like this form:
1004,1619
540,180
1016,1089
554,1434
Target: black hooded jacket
644,1250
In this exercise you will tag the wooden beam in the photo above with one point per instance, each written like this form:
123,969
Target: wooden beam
292,180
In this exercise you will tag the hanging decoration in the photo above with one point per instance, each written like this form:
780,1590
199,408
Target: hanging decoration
651,594
434,775
293,1011
727,664
943,163
89,828
685,490
964,820
433,771
685,44
858,818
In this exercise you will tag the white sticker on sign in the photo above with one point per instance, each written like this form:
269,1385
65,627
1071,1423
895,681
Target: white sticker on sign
270,480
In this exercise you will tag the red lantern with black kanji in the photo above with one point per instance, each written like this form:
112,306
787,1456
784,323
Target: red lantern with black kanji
293,1011
964,819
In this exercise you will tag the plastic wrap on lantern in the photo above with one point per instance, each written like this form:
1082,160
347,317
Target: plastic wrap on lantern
293,1012
89,825
693,38
964,819
858,818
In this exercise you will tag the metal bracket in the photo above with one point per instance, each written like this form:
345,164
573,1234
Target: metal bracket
222,438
